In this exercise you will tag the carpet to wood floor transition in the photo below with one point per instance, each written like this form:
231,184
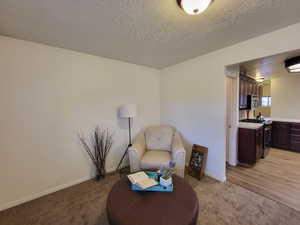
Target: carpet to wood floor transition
276,177
84,204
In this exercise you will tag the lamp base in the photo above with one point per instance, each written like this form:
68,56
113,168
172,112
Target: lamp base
120,163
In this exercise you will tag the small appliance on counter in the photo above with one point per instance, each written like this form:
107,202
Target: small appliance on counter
259,117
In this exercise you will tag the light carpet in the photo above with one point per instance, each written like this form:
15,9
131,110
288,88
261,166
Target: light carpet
84,204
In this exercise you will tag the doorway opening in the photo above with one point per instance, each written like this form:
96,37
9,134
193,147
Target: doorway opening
231,117
263,128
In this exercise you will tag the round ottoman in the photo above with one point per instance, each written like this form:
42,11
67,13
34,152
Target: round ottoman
127,207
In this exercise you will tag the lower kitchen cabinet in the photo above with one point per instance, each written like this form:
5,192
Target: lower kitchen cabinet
250,146
295,137
286,135
281,135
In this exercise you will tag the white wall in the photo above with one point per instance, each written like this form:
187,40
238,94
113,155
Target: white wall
285,92
193,92
47,95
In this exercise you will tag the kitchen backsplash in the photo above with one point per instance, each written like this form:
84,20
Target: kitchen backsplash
243,114
265,111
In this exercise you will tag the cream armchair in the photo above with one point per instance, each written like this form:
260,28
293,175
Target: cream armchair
156,147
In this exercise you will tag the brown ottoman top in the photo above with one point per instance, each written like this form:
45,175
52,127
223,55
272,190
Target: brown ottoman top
127,207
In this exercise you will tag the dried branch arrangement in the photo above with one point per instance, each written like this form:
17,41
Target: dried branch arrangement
98,148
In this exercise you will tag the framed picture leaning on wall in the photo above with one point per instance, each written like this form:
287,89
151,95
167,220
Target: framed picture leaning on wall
198,161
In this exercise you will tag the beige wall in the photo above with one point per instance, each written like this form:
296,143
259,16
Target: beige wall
193,97
265,111
285,93
47,95
267,89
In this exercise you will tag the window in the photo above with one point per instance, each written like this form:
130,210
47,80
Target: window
266,101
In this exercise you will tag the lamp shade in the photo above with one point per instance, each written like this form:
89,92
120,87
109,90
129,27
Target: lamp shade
128,111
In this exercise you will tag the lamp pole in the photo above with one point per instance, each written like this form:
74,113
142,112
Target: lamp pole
129,145
129,126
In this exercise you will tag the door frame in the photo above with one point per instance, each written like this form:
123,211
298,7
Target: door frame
232,114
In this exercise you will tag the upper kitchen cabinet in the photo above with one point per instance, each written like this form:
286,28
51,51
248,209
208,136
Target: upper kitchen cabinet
248,86
243,94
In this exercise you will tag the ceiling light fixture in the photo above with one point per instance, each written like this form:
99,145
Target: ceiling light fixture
260,79
194,7
293,65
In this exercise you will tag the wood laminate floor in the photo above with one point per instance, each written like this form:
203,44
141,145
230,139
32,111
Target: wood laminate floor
276,177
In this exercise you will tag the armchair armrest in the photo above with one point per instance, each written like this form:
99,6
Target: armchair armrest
136,151
178,154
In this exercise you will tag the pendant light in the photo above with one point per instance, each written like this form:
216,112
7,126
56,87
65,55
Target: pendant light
194,7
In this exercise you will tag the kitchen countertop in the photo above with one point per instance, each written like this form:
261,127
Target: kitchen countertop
250,125
284,120
268,120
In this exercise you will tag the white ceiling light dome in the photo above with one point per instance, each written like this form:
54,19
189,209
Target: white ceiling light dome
194,7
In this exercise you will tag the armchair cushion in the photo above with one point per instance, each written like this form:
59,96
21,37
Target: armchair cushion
155,148
159,138
155,159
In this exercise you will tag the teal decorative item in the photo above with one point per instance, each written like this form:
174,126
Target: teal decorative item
160,188
165,182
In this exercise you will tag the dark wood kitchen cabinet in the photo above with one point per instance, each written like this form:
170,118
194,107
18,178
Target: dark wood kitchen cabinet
260,94
248,86
259,142
281,135
286,135
295,137
243,94
250,146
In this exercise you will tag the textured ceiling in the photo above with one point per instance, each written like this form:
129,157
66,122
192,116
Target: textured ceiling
155,33
268,67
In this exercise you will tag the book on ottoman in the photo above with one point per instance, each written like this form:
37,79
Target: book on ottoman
142,180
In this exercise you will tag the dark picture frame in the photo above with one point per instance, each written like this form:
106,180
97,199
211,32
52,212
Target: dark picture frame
198,161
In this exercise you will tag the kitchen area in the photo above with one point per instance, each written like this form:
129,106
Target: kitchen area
259,131
255,126
268,138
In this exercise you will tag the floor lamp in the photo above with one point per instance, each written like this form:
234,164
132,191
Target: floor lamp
128,111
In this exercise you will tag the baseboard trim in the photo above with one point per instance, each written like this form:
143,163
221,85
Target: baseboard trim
209,174
48,191
69,184
43,193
